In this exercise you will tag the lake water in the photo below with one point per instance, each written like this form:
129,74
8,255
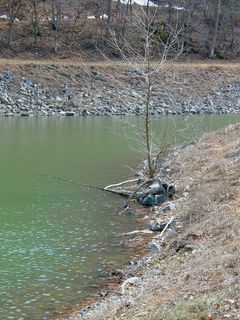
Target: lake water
57,238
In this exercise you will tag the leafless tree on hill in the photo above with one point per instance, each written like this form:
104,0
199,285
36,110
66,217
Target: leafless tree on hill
146,25
13,8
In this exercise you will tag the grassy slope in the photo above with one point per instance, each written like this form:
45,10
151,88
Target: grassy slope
196,276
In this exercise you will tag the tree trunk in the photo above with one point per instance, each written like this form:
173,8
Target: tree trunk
56,22
10,34
109,20
148,128
232,17
35,22
215,31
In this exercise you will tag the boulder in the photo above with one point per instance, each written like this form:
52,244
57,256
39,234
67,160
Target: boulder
70,113
24,114
155,246
168,207
156,195
149,200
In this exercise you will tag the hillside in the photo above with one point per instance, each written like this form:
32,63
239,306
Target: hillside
91,29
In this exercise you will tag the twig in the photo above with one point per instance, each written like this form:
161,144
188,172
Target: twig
165,228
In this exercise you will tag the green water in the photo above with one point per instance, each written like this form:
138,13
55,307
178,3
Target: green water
58,238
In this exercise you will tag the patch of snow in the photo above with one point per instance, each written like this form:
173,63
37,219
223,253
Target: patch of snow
173,7
178,8
66,18
91,17
104,16
139,2
144,3
4,17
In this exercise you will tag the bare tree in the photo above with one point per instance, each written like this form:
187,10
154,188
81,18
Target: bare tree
215,30
35,20
109,19
147,64
56,23
13,8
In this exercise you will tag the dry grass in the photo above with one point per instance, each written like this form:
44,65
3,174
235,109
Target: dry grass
196,276
205,64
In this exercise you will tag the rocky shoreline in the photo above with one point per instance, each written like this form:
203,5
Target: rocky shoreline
191,270
97,94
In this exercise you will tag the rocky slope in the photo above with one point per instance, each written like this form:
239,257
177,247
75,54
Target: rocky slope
68,90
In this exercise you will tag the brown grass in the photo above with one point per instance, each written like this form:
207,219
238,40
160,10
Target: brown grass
104,63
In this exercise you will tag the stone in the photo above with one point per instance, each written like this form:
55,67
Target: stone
155,246
28,82
70,113
6,75
170,234
4,100
131,213
115,273
168,207
155,189
160,199
154,226
149,200
24,114
59,99
157,195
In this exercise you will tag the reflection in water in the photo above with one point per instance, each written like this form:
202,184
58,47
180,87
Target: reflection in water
57,238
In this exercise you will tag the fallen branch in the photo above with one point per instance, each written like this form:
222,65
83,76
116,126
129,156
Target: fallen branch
120,184
145,231
140,186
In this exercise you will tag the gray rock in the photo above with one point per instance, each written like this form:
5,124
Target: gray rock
59,99
6,75
155,246
168,207
70,113
160,199
149,200
154,226
24,114
4,100
27,83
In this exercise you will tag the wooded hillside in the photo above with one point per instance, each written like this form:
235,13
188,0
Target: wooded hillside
208,28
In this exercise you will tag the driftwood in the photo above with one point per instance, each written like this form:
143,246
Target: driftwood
145,231
137,189
111,186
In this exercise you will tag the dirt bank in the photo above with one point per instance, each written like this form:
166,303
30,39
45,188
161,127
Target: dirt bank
193,268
